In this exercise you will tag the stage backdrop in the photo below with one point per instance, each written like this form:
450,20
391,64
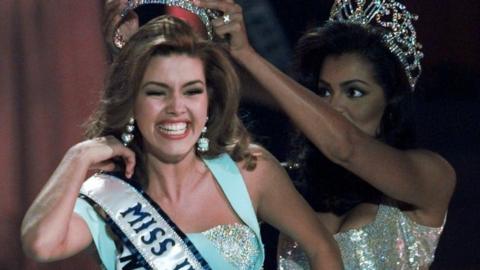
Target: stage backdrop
51,70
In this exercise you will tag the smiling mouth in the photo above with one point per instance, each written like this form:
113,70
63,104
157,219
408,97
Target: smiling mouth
173,129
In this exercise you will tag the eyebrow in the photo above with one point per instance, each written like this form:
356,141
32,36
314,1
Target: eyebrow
320,81
354,81
164,85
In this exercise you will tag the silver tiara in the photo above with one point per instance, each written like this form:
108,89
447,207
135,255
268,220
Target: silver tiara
400,37
205,15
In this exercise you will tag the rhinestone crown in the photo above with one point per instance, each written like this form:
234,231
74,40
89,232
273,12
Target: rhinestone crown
205,15
400,36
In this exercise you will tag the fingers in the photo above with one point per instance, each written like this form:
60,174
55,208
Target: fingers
111,17
105,149
117,29
128,25
129,164
235,18
221,28
112,12
226,6
110,23
104,166
128,156
231,22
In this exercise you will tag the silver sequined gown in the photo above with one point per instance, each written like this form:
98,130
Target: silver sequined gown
392,241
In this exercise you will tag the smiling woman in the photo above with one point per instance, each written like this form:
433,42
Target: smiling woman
171,106
181,185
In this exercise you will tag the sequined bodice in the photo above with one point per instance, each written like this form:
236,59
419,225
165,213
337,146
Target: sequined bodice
392,241
237,243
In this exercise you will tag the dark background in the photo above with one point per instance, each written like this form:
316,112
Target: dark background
52,64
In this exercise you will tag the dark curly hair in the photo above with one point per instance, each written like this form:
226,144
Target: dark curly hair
327,186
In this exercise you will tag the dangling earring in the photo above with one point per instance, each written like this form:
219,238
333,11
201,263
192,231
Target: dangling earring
127,136
203,141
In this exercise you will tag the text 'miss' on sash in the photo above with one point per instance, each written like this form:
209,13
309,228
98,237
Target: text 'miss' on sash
151,239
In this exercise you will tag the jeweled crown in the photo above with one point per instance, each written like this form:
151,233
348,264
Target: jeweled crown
400,36
205,15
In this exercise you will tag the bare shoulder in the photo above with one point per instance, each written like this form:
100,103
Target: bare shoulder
440,177
265,162
434,164
267,173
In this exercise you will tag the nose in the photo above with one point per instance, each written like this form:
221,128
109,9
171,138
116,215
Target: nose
338,103
176,105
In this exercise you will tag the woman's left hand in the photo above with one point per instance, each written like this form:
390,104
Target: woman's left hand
231,23
118,30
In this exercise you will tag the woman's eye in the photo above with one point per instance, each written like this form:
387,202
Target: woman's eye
195,91
324,92
155,93
355,93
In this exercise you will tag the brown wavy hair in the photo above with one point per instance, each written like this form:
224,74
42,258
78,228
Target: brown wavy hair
163,36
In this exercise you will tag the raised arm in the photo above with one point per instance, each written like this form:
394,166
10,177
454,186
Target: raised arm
325,127
420,178
279,204
50,229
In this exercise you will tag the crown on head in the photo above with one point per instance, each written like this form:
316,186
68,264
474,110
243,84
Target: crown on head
205,15
400,36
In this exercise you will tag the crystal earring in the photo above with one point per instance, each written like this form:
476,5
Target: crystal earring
203,141
127,136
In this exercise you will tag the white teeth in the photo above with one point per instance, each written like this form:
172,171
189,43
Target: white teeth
173,128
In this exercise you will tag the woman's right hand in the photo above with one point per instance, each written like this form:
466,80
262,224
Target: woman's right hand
231,24
98,154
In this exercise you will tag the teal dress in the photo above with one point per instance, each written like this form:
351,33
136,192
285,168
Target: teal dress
232,246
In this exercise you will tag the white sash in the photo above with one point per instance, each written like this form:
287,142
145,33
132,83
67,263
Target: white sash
142,225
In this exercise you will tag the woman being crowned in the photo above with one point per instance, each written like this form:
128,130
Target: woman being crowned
179,185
